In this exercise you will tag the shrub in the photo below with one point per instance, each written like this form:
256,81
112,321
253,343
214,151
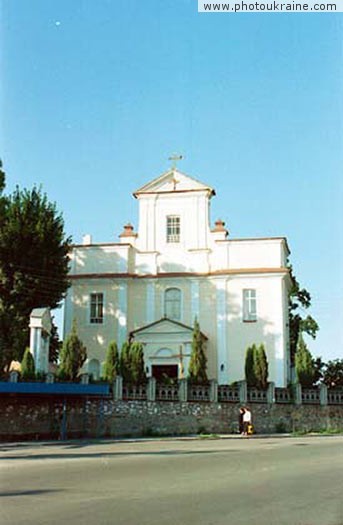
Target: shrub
304,366
198,362
111,367
28,365
73,355
260,367
249,368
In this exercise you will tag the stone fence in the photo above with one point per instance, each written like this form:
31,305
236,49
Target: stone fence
155,409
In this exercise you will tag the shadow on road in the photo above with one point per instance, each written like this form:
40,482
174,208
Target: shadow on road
26,493
96,455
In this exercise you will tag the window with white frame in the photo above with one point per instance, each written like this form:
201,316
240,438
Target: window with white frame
249,305
96,308
172,304
173,228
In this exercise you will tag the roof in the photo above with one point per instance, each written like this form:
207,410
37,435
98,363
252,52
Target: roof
173,181
163,319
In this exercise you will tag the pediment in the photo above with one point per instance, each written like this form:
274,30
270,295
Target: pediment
173,181
165,326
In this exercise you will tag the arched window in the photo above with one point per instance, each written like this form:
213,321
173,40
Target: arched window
172,304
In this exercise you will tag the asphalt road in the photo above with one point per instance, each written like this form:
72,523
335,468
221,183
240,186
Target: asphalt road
278,481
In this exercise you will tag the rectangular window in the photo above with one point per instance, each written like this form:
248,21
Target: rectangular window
97,308
249,305
173,228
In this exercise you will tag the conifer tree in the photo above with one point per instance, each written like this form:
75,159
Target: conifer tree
304,364
125,363
249,368
28,365
198,362
73,355
111,367
260,367
137,363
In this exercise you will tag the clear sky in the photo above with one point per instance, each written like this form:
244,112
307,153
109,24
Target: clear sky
96,94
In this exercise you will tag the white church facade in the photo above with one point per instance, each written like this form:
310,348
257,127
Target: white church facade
153,283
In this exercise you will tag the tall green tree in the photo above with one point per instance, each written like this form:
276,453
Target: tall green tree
198,361
27,365
111,367
55,344
33,265
137,363
249,367
260,366
299,300
125,362
72,357
304,364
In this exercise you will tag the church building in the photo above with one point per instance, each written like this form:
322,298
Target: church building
152,284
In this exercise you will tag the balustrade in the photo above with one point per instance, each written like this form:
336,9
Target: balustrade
167,392
135,392
228,393
198,392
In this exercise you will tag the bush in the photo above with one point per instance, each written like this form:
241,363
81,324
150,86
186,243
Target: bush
28,366
304,366
260,367
111,367
73,355
249,368
198,362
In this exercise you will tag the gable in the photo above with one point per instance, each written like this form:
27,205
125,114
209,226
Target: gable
173,181
163,326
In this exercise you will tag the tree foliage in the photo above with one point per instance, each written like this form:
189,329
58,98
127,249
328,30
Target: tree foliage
304,364
299,299
27,365
125,362
260,366
333,373
137,363
111,367
72,357
249,367
33,265
132,363
55,344
198,361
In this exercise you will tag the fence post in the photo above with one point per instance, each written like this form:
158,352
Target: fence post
243,392
50,378
118,388
64,421
323,394
151,394
84,379
271,393
213,391
183,384
14,376
298,394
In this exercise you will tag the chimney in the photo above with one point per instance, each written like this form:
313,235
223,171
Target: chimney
219,231
87,239
128,235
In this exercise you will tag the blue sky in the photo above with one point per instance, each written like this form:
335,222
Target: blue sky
95,95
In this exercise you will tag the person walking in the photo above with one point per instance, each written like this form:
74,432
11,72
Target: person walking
247,421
